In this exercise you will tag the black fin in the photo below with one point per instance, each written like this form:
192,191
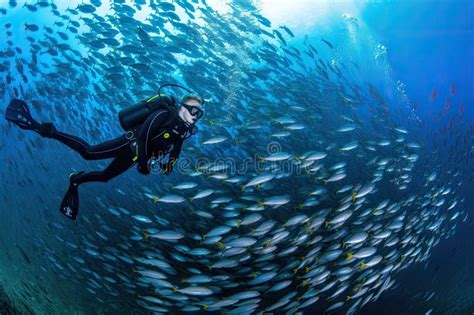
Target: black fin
70,204
18,113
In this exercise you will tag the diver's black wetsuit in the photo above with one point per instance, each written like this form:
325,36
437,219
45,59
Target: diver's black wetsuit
162,132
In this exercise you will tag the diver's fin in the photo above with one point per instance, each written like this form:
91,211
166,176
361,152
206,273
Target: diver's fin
18,113
70,204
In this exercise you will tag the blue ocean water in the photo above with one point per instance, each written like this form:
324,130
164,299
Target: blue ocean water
374,66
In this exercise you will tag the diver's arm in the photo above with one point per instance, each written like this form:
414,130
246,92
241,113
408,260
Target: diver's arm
174,155
149,128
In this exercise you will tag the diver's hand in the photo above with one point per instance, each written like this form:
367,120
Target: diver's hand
166,167
143,169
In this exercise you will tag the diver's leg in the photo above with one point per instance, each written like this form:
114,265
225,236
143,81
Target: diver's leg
119,165
70,203
105,150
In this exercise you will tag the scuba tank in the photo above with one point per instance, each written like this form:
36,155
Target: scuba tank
135,115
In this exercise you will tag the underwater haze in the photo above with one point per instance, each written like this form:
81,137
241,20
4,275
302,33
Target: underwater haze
331,172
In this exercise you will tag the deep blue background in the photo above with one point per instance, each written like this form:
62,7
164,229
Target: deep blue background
430,45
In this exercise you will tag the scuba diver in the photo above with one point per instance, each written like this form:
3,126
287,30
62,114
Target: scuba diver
154,128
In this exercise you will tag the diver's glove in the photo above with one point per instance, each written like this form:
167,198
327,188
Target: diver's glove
143,169
167,167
